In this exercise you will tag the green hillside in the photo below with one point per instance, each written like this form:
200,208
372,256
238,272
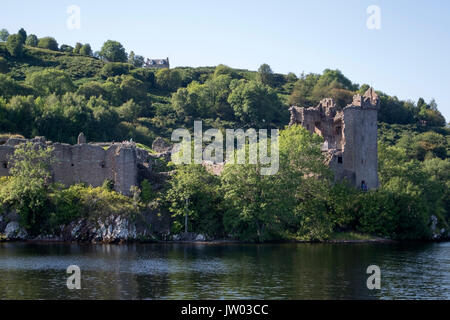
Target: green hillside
60,91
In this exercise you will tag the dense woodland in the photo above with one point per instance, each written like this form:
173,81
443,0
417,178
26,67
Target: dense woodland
58,91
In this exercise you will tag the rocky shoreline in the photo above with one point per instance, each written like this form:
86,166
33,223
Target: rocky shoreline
122,230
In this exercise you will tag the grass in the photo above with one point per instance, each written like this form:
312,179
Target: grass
143,146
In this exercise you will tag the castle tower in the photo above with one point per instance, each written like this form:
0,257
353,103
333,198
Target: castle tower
360,154
350,134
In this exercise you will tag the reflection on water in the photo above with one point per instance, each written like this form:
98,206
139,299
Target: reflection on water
239,271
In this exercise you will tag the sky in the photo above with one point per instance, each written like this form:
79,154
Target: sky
407,56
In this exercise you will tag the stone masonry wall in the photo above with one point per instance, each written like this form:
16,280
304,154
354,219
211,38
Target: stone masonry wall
88,163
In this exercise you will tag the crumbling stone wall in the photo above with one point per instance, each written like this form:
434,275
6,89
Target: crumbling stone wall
88,163
350,136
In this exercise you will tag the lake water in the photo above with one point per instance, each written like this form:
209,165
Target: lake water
225,271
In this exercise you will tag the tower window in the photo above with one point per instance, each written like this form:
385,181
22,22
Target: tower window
5,165
340,160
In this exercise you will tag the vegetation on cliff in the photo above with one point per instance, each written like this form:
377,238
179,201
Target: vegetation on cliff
59,91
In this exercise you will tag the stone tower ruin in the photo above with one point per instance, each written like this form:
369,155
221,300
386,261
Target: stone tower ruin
350,136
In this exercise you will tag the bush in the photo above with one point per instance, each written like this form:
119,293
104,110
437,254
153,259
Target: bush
50,81
48,43
115,69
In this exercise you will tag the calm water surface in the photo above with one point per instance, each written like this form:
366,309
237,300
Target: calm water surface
225,271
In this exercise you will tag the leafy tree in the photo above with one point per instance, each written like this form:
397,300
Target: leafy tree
130,111
23,35
50,81
21,112
113,51
91,89
10,87
115,69
193,196
167,79
48,43
86,50
133,89
14,45
4,34
290,203
77,48
265,74
302,91
222,69
135,60
31,40
255,103
66,48
29,185
3,65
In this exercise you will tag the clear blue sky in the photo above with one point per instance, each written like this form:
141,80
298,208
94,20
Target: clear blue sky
408,57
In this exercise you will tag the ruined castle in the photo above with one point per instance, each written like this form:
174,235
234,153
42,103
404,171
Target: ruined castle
92,164
350,136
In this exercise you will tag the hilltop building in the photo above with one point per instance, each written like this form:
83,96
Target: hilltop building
157,63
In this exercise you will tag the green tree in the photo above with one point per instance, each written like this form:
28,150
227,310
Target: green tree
31,41
265,74
113,51
4,34
50,81
254,103
193,197
288,204
48,43
77,48
29,185
167,79
23,35
86,50
14,45
66,48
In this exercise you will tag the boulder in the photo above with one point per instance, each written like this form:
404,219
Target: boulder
200,237
13,231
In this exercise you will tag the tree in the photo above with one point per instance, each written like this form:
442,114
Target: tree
50,81
288,204
194,201
14,45
113,51
167,79
23,35
255,103
31,41
66,48
28,186
4,34
86,50
77,48
135,60
130,111
265,74
48,43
